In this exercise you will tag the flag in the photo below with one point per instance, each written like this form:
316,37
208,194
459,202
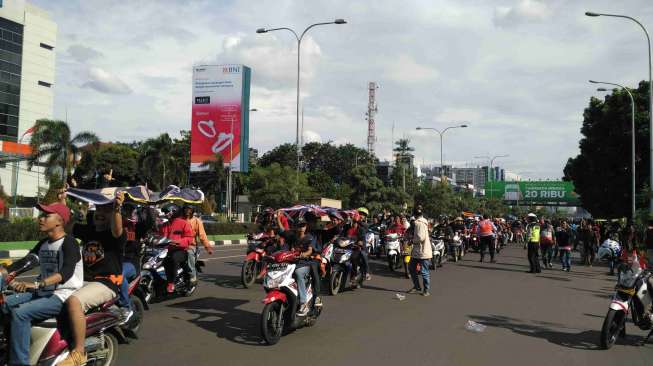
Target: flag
31,129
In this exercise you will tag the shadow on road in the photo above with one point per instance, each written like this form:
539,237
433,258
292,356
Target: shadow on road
382,269
222,280
222,317
491,267
583,340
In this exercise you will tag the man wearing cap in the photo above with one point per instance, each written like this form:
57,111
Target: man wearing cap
104,243
61,274
199,236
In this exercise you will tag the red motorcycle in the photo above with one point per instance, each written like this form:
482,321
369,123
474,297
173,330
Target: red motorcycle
48,346
282,301
254,268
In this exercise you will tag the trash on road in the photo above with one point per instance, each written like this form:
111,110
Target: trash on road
400,297
473,326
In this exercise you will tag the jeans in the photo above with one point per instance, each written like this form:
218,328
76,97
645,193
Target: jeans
25,308
128,273
300,277
191,261
565,258
534,257
365,262
424,271
547,254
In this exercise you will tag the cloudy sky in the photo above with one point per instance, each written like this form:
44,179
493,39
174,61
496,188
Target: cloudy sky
515,70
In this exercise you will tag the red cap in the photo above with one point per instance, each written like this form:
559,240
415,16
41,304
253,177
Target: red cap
58,208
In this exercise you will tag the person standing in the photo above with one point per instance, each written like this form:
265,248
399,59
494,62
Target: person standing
563,239
421,255
199,236
487,233
547,242
533,235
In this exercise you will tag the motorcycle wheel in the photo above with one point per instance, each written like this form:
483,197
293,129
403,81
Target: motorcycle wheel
272,322
248,273
108,351
612,324
406,272
135,323
335,282
391,263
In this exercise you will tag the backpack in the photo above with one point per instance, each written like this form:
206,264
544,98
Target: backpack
546,236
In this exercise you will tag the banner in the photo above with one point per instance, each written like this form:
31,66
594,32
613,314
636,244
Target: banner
538,192
220,116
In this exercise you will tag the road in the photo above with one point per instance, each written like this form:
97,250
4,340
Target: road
549,319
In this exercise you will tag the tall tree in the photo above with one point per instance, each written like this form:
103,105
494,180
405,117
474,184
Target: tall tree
601,172
157,160
270,186
285,154
119,158
53,142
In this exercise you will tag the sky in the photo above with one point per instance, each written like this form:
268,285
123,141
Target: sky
515,71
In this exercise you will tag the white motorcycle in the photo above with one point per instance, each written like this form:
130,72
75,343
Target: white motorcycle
439,251
632,296
393,250
456,247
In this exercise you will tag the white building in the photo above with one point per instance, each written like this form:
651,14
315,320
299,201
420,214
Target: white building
27,70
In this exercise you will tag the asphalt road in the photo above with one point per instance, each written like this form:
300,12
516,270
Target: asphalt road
553,318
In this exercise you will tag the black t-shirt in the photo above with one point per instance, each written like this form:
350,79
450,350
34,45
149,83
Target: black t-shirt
110,265
563,237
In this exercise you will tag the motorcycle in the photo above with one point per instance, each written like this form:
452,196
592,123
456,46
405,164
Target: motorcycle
405,257
393,250
254,267
281,301
474,243
373,240
153,276
456,247
610,251
342,269
439,251
48,345
139,305
631,295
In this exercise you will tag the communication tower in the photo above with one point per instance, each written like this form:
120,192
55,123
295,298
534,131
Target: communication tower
372,108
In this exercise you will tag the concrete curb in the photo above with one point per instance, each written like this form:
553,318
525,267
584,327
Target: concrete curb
231,242
14,253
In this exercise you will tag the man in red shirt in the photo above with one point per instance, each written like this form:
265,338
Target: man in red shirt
180,232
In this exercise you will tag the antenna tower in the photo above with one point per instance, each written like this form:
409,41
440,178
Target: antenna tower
372,108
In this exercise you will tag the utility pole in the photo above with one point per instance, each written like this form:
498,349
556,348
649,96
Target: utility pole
372,108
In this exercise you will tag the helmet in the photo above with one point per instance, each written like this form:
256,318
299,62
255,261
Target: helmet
171,210
532,215
363,211
609,249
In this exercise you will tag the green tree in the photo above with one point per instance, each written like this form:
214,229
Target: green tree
213,181
119,158
601,172
271,186
285,155
366,187
53,142
158,161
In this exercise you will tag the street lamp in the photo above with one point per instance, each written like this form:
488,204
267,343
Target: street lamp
491,160
650,91
441,133
299,43
632,147
229,177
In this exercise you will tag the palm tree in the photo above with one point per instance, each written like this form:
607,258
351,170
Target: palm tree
157,159
403,150
53,143
213,181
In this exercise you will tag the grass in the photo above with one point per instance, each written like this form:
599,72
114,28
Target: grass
12,245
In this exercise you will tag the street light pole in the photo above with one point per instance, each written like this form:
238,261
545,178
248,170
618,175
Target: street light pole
441,133
491,160
632,147
299,43
650,94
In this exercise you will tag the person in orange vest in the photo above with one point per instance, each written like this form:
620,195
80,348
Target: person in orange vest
486,233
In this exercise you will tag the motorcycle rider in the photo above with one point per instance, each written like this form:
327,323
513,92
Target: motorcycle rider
61,274
356,232
305,243
180,232
397,227
533,236
199,236
104,246
487,232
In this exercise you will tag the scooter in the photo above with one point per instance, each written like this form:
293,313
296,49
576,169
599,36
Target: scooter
48,345
153,276
631,295
439,251
405,257
281,301
393,251
456,247
254,267
342,268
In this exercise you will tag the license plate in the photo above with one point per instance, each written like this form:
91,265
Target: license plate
277,267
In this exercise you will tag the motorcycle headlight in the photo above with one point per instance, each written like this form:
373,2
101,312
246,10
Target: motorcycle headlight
147,265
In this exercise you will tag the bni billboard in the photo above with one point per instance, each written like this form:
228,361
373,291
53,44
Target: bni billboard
220,116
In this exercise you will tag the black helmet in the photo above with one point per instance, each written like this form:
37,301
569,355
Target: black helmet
171,210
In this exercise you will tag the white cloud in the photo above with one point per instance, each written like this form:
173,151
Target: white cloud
105,82
405,69
311,136
81,53
525,11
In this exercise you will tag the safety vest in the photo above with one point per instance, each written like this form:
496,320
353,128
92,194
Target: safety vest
534,236
486,227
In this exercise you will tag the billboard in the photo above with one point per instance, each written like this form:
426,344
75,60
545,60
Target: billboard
536,192
220,116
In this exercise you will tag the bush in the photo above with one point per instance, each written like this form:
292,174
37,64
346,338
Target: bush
22,229
231,228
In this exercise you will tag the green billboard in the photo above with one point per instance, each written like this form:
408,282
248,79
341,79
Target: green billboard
534,192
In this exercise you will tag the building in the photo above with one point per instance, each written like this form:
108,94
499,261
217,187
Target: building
27,72
384,171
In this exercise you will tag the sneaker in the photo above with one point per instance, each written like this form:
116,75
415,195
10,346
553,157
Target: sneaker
303,310
193,280
74,359
414,291
126,314
368,277
426,293
170,288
